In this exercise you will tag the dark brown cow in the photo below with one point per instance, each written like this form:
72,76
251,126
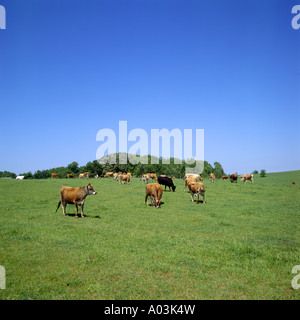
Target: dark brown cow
74,196
154,191
233,177
224,177
69,175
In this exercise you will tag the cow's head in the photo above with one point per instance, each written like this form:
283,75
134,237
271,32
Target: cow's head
90,189
173,188
157,203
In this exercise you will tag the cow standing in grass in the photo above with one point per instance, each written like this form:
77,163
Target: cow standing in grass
188,181
74,196
154,191
167,182
233,177
245,177
197,188
212,177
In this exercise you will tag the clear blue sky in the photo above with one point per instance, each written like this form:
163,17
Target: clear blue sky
70,68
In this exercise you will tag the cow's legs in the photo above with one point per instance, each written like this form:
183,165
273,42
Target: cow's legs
82,215
64,204
192,196
76,207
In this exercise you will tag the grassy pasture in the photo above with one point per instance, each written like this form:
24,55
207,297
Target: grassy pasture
241,244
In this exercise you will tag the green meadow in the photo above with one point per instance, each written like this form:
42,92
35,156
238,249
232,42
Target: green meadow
241,244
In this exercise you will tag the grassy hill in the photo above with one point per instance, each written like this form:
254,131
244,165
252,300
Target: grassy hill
241,244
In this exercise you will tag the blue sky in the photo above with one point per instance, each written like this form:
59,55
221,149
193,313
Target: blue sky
71,68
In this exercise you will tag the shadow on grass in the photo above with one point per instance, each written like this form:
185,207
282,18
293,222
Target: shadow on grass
85,215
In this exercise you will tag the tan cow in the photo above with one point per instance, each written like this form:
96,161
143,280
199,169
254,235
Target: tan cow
145,177
154,191
212,177
197,188
54,175
74,196
83,175
193,175
188,181
245,177
124,178
153,176
108,175
69,176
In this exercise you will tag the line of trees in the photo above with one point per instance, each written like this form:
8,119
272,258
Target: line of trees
171,168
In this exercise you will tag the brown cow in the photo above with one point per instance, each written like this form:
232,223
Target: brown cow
188,181
193,175
124,178
212,177
69,176
153,176
54,175
293,182
245,177
197,188
233,177
224,177
154,191
74,196
108,175
83,175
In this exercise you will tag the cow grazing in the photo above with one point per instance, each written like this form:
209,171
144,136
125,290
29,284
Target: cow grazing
245,177
197,188
83,175
212,177
69,176
124,178
154,191
188,181
20,177
233,177
145,177
108,175
74,196
167,182
153,176
54,175
224,177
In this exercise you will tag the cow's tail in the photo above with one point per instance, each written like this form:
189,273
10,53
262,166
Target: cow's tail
58,205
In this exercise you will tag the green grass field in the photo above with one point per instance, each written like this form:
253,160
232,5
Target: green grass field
241,244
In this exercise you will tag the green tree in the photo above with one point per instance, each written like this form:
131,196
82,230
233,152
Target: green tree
74,167
262,173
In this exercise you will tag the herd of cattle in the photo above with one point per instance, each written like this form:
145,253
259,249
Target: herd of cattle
154,190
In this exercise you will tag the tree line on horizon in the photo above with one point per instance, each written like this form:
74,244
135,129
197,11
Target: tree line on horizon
95,168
